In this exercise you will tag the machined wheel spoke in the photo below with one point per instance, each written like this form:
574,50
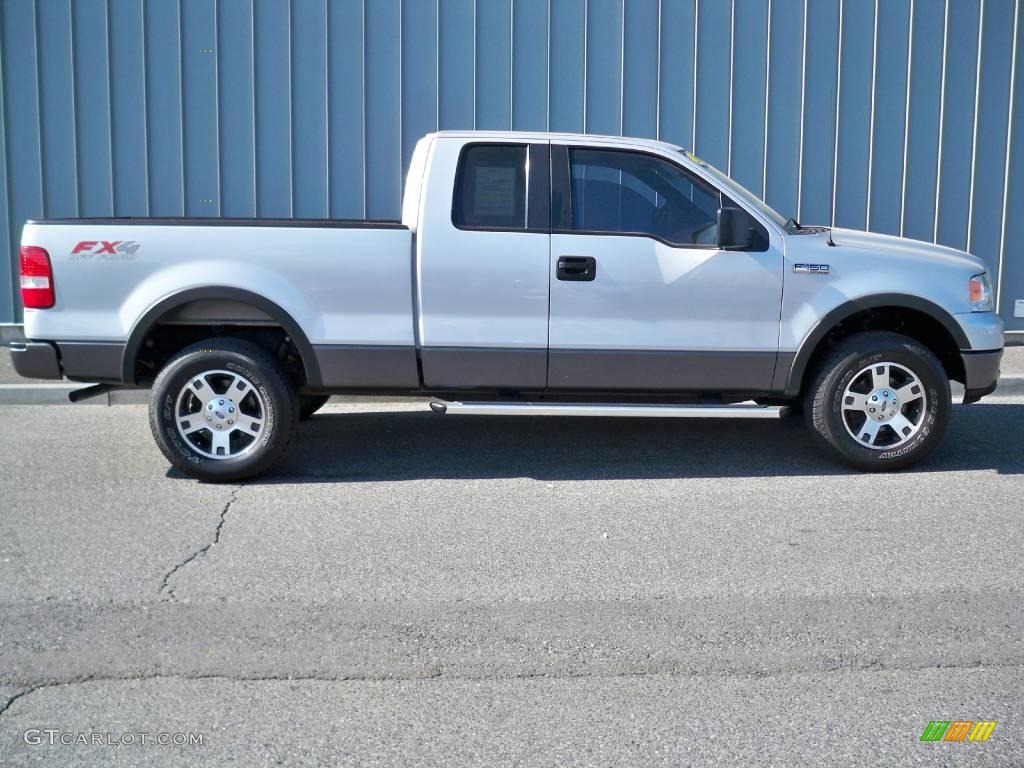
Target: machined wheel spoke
191,423
250,425
239,389
902,425
907,394
854,401
880,375
220,443
869,432
201,389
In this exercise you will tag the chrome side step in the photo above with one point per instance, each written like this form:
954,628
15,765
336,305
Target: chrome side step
740,411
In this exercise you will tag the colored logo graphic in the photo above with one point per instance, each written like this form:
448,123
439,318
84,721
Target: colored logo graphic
958,730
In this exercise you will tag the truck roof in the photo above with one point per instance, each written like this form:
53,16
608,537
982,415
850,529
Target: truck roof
545,136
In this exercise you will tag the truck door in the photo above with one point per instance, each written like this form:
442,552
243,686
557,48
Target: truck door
641,297
482,259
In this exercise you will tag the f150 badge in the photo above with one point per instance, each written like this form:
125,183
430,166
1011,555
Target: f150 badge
813,269
105,250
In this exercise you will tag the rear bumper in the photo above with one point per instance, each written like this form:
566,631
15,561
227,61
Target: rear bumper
981,373
35,359
77,360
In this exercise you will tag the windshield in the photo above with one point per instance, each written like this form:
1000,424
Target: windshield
739,191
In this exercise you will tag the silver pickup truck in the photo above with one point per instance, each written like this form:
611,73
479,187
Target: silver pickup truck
530,273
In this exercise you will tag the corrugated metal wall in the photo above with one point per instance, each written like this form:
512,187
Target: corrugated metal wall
900,116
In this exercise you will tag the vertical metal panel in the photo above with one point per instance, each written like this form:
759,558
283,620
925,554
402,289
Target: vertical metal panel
640,69
749,64
199,103
604,67
312,107
57,108
678,24
21,112
383,107
714,65
127,97
93,119
785,76
530,65
309,109
493,65
892,46
820,93
272,26
854,134
163,104
992,128
567,68
925,96
419,75
1012,273
958,124
346,117
457,86
8,280
236,107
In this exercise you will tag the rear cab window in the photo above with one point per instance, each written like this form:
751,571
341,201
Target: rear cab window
490,187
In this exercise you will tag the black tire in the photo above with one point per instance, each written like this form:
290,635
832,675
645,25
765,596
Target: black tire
310,404
268,381
824,398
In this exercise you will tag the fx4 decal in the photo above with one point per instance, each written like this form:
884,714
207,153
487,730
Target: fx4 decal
109,250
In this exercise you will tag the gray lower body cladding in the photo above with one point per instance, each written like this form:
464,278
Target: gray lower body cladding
79,361
35,359
981,373
659,370
398,368
484,368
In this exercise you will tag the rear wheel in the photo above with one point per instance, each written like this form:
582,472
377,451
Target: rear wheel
223,410
310,404
880,400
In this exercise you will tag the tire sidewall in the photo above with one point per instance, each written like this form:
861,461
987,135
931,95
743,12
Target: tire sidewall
167,389
936,415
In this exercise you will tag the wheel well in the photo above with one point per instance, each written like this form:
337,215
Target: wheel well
914,323
189,322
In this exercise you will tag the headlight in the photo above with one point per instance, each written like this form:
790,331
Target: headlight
981,293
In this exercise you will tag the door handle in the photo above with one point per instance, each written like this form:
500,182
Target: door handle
576,268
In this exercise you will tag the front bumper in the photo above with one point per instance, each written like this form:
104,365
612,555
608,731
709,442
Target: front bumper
35,359
981,373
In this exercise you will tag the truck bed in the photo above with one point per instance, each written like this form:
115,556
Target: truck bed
344,283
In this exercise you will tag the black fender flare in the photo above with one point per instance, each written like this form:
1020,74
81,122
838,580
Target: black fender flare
794,376
148,321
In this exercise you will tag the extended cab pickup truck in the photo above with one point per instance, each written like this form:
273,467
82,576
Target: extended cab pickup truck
530,274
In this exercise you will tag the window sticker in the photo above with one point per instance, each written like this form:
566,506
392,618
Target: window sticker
494,191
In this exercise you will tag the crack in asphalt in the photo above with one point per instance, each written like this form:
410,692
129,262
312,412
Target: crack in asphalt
22,694
437,673
165,586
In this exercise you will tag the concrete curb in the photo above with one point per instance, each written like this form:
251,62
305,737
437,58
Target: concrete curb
57,394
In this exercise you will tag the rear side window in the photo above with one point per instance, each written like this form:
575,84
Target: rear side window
490,187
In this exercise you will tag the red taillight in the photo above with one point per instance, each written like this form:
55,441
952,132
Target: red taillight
36,278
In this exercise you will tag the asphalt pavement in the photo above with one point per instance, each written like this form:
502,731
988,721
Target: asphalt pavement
411,589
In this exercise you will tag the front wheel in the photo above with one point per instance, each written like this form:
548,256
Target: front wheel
880,400
223,410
